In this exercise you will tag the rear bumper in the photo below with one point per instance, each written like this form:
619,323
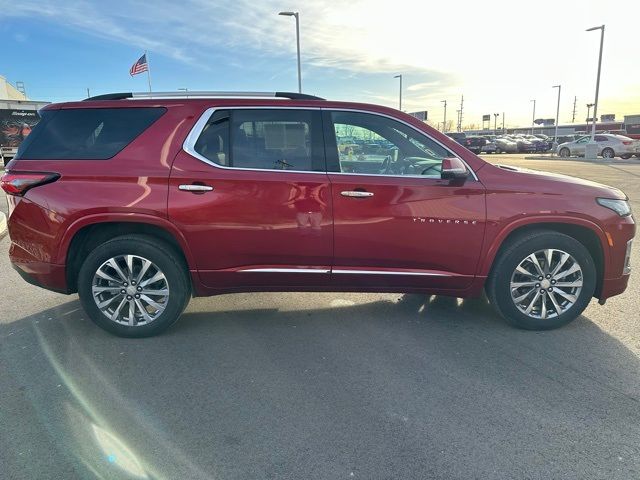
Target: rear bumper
42,274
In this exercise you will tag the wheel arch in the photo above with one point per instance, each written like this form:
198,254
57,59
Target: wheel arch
587,233
87,234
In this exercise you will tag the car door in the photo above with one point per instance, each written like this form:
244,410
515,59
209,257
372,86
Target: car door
251,194
396,222
603,142
579,147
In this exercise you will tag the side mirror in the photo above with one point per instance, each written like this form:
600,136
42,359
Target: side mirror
453,169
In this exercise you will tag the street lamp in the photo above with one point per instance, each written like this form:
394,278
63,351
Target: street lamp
595,105
533,118
589,119
444,122
400,102
495,123
297,17
555,138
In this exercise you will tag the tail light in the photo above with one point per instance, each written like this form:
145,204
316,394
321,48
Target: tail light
468,142
627,142
18,183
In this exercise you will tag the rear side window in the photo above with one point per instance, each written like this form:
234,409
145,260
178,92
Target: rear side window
86,133
265,139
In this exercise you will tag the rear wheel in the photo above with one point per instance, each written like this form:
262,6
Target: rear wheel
542,280
565,153
608,153
625,157
133,286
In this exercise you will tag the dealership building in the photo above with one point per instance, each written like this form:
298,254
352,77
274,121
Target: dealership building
18,115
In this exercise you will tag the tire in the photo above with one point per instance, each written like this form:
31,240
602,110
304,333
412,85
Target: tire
608,153
171,291
625,157
504,275
498,150
564,152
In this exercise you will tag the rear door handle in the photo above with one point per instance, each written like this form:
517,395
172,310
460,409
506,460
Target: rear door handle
195,188
356,194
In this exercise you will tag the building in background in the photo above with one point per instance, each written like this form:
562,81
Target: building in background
18,116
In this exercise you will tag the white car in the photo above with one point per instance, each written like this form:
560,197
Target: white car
609,146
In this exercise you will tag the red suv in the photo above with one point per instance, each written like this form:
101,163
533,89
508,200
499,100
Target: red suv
139,202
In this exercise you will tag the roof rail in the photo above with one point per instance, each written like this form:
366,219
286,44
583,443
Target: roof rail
203,94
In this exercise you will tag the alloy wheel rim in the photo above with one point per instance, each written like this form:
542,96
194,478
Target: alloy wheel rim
546,283
130,290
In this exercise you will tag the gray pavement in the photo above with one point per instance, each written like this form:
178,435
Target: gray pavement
323,386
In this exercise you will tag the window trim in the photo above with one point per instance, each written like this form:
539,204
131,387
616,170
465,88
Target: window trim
190,141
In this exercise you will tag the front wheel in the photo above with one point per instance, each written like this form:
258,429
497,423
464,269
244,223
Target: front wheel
134,286
542,280
565,153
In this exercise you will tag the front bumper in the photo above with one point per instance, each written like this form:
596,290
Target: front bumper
613,286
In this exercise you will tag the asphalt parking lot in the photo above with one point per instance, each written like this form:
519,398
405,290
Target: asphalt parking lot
323,386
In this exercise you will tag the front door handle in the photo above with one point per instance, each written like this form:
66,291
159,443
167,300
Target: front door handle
356,194
195,188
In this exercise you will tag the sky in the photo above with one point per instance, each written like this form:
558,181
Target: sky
499,54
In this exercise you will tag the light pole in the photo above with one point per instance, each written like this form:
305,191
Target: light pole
555,137
595,105
444,122
533,118
589,119
495,123
400,101
297,17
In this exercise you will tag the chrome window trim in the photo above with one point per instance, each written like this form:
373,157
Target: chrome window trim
190,141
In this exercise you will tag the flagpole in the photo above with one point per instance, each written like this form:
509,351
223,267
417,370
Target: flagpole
148,70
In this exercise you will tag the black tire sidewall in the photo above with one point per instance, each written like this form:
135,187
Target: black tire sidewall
564,153
157,252
500,293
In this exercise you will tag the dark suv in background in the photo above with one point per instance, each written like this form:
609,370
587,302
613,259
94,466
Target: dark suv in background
138,202
472,143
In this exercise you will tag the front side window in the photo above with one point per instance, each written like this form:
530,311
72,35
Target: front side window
264,139
372,144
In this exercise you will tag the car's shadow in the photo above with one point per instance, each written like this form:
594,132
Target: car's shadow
397,387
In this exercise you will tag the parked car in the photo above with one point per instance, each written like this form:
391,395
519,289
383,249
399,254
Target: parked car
506,145
472,143
540,144
489,147
609,146
140,202
524,145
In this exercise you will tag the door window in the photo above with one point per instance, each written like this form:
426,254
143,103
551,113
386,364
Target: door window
264,139
376,145
601,138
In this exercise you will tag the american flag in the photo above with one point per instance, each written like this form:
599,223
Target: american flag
140,66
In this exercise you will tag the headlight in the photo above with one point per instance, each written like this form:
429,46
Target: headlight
621,207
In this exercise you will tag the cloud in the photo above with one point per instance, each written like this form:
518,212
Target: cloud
422,86
486,53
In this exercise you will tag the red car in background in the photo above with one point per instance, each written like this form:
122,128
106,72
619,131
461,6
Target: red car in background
138,202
